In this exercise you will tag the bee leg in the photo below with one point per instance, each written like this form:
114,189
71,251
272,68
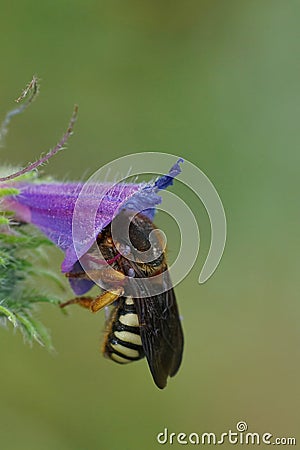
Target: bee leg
84,275
105,299
95,304
107,275
85,302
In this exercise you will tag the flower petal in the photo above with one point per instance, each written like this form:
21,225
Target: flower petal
50,206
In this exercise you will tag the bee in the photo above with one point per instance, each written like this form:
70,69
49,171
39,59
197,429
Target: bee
141,325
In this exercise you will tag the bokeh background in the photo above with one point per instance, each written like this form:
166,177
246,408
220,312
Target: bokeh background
217,83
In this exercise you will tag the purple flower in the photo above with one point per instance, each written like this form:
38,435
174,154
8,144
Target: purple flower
50,207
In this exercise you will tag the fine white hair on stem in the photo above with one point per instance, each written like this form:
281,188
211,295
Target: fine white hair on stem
33,89
59,146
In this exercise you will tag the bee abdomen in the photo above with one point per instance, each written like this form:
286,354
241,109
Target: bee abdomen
123,342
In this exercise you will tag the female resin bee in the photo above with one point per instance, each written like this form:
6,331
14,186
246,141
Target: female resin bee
137,325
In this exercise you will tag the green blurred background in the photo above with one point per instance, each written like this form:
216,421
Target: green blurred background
217,83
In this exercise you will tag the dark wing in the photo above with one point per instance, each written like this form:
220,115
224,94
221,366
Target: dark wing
161,335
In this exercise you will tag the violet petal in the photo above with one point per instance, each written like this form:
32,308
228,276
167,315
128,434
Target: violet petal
50,207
